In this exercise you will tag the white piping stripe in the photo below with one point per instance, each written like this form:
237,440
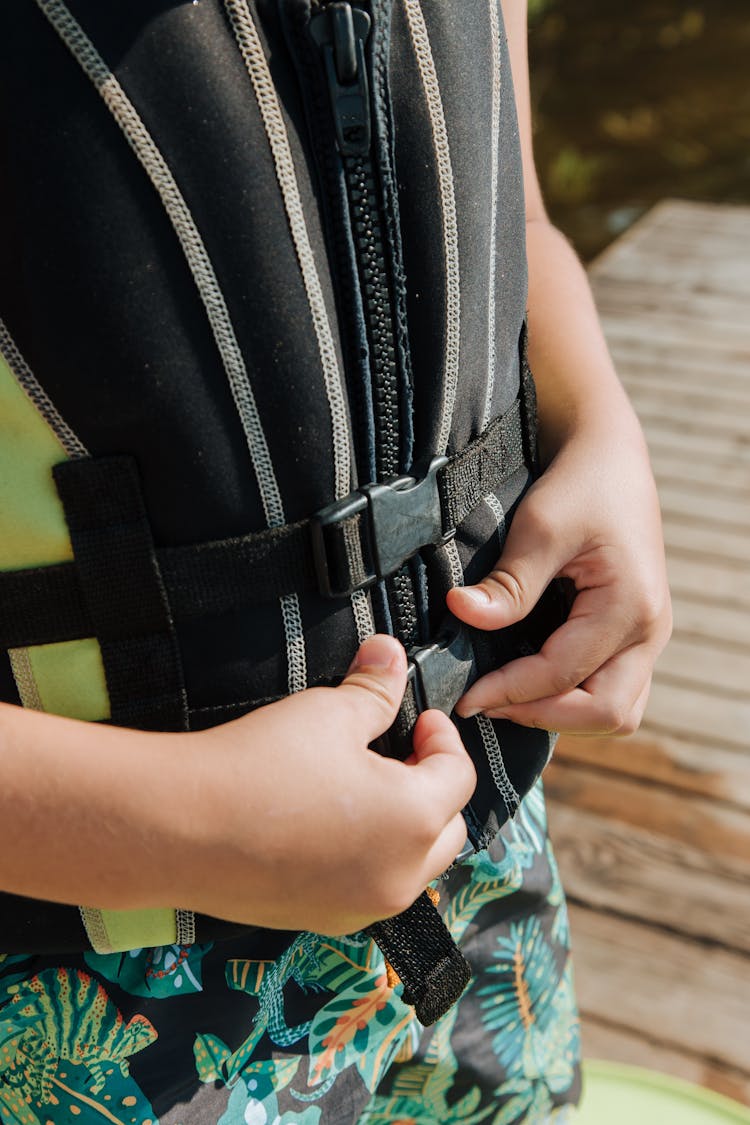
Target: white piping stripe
362,615
96,931
19,368
206,281
497,766
454,561
254,58
431,88
200,264
492,301
295,643
430,85
497,509
23,674
251,49
185,925
487,732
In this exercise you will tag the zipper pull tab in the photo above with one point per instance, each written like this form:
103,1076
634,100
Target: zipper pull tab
341,32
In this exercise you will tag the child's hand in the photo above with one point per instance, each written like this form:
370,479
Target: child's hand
593,517
303,827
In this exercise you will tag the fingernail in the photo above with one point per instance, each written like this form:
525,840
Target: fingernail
375,652
470,713
477,594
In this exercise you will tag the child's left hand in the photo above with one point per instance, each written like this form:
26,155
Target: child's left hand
593,517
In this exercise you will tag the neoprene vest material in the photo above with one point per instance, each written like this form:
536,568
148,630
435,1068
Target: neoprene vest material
257,255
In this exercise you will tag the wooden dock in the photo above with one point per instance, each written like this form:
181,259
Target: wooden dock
653,832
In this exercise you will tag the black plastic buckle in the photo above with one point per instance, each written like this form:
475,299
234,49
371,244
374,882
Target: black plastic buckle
402,515
442,671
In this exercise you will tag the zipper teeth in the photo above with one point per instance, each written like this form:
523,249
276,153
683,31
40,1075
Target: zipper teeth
376,299
405,607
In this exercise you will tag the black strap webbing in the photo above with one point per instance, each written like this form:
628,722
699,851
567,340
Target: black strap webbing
121,589
432,968
43,605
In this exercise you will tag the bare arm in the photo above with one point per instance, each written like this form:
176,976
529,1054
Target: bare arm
239,821
593,516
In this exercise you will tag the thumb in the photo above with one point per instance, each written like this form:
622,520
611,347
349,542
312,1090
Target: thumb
534,553
376,682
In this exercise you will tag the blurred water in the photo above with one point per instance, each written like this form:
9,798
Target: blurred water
635,100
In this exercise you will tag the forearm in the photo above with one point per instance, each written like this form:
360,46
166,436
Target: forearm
89,813
576,383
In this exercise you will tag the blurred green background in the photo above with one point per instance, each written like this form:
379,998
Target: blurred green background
635,101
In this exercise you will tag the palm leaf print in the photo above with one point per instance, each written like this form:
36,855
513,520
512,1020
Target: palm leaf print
529,1103
560,931
348,1026
62,1043
517,1004
168,970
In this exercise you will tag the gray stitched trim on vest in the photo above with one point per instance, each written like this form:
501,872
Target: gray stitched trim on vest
185,927
155,166
497,510
251,49
26,379
431,87
23,674
210,292
487,732
96,931
494,176
428,73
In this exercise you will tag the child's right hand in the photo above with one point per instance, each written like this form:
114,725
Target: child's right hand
300,825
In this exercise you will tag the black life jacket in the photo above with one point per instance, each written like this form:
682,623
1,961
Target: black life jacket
264,388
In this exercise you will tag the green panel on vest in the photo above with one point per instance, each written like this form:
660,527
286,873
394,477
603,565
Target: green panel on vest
70,679
139,929
33,530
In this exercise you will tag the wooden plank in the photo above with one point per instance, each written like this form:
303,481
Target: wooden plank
719,830
699,715
680,332
665,437
712,582
719,543
674,265
707,666
686,995
615,293
692,365
734,423
724,405
612,1043
703,389
675,338
654,831
648,877
715,507
699,473
686,767
717,623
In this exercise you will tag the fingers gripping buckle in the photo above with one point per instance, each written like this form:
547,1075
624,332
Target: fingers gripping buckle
370,533
442,671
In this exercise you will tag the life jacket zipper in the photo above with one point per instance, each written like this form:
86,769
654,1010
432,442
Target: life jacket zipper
341,32
331,44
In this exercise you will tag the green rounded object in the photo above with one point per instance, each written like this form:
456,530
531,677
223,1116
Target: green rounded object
616,1094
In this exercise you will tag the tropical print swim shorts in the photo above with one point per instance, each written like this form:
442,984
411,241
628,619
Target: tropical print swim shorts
311,1033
